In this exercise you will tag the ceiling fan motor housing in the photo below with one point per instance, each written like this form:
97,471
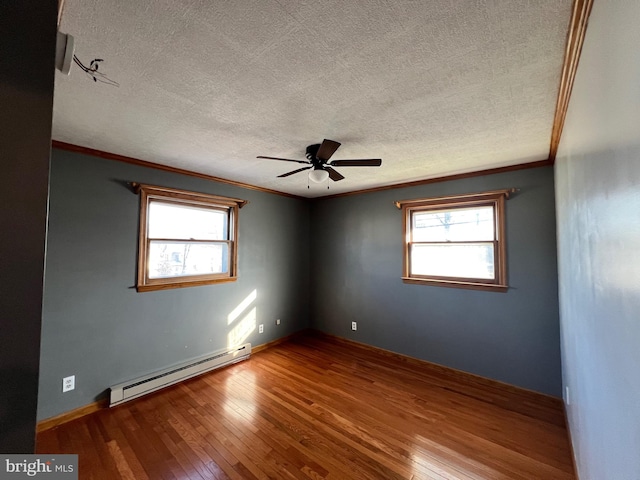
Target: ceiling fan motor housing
312,152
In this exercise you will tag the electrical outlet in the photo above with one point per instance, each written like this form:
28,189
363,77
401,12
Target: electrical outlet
68,383
278,321
567,398
261,328
354,326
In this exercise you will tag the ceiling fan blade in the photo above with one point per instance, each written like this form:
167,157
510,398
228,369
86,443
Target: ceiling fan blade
333,174
327,149
295,171
370,162
284,159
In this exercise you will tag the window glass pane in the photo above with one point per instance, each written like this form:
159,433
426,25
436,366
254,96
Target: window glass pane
454,224
179,259
170,220
453,260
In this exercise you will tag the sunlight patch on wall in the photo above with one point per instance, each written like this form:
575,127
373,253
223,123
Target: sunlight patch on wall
242,306
242,329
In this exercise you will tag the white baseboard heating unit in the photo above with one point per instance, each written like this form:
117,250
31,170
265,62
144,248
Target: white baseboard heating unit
150,383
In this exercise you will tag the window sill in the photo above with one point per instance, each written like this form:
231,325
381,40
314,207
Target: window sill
457,284
185,284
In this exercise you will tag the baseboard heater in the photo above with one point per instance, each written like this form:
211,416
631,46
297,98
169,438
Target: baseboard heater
124,392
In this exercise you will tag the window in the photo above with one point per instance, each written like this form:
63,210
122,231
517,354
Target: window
456,241
186,238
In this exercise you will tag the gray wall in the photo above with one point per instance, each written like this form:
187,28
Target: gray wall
27,54
598,202
97,327
511,337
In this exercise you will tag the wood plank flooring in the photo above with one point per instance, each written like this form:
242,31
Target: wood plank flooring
318,407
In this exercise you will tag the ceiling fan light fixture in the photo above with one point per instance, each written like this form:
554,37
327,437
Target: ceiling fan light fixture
318,175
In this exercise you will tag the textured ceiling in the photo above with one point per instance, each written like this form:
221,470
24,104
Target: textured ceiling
433,88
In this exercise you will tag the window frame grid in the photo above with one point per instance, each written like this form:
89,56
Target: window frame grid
230,206
494,199
228,233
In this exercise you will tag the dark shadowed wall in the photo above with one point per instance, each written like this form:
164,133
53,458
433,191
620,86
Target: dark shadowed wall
97,327
27,55
512,337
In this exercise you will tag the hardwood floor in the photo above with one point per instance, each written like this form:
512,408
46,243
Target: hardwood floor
318,407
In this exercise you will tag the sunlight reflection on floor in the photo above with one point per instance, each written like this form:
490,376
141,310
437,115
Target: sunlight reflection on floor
240,396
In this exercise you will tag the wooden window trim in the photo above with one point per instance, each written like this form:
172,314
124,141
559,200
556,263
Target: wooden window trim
496,199
182,197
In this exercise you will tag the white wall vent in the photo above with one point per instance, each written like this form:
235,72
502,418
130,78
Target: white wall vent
150,383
